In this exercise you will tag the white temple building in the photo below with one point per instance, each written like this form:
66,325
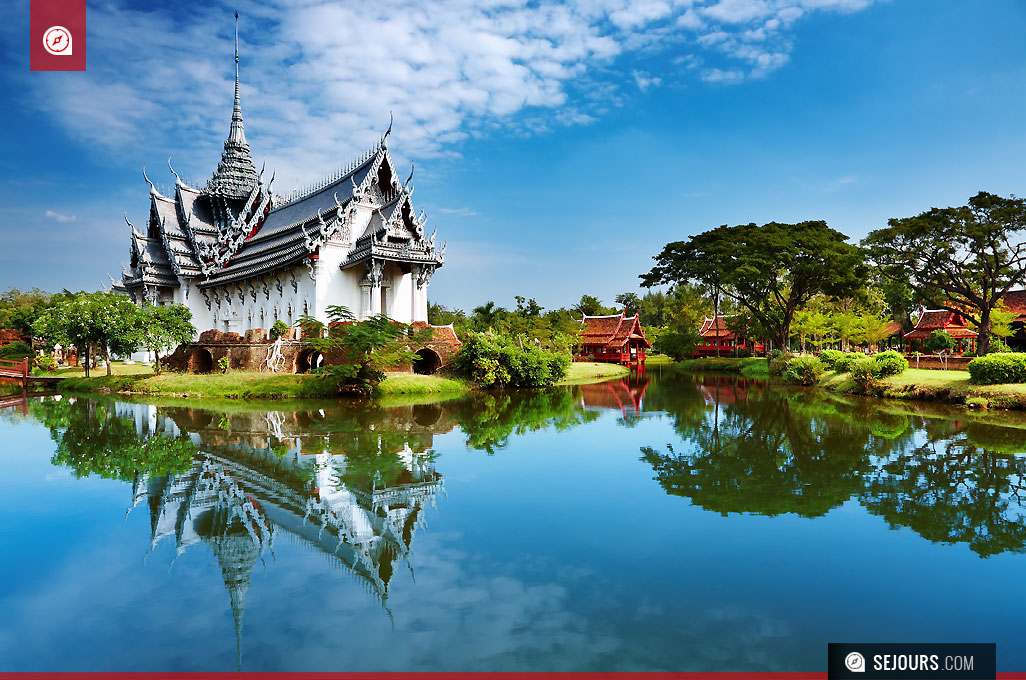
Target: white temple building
241,256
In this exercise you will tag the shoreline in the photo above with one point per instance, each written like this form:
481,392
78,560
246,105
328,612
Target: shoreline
246,385
915,384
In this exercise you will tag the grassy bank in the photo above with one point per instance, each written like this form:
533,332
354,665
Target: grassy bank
952,387
582,372
140,380
752,367
249,385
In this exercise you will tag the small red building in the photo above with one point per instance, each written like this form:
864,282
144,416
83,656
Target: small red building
616,339
717,336
953,323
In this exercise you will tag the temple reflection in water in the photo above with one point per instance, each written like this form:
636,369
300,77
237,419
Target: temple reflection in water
262,477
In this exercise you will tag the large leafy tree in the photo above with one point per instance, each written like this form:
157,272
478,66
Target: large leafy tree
963,259
18,309
109,322
164,327
770,271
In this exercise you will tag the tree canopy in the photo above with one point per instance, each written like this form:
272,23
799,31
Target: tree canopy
962,259
770,271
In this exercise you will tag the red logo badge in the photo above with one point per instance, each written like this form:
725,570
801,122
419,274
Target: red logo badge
58,35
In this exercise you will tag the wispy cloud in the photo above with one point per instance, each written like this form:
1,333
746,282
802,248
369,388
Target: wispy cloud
319,77
60,217
458,212
645,81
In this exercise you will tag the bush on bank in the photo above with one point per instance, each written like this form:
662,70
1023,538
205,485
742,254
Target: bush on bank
502,362
889,363
804,370
829,357
993,369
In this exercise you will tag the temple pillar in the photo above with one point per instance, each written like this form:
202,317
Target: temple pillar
370,289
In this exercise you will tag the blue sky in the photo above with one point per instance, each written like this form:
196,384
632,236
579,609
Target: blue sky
558,146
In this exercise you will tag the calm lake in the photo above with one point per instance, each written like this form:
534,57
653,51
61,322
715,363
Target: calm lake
662,522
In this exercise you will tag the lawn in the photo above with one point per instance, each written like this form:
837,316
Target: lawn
592,371
934,385
751,367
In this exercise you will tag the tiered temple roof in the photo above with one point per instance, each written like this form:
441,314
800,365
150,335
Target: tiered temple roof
612,331
931,320
236,227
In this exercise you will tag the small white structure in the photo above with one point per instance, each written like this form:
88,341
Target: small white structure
241,257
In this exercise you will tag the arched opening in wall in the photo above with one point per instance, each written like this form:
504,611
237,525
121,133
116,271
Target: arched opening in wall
308,361
201,361
427,362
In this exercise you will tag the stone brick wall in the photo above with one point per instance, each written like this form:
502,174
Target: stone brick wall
248,352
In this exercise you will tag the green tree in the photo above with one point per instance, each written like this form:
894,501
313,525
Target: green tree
108,321
939,341
962,259
165,327
630,302
359,352
19,309
769,271
590,305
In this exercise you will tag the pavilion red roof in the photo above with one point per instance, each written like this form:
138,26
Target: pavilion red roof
1015,301
715,327
612,331
931,320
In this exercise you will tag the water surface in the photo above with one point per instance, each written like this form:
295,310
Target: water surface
662,522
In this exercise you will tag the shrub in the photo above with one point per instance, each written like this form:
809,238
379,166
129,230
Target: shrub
501,361
863,370
940,341
278,329
15,350
844,362
830,356
803,370
778,362
997,346
223,364
45,363
890,363
994,369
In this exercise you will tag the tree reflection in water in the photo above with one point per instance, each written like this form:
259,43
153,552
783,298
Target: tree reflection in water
751,448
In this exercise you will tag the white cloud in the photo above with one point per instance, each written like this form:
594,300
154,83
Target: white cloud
320,77
60,217
645,81
458,212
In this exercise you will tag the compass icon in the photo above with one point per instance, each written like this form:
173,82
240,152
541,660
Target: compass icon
57,41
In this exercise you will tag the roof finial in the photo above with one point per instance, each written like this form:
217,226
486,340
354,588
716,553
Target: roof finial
238,132
178,180
153,189
389,130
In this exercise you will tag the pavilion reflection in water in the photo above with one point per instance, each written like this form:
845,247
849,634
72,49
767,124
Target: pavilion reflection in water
251,485
625,395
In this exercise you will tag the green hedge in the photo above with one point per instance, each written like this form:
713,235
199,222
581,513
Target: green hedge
830,356
844,362
803,370
994,369
501,361
890,363
16,350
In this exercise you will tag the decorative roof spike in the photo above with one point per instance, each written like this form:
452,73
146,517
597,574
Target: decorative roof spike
153,189
178,180
389,130
412,168
235,175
